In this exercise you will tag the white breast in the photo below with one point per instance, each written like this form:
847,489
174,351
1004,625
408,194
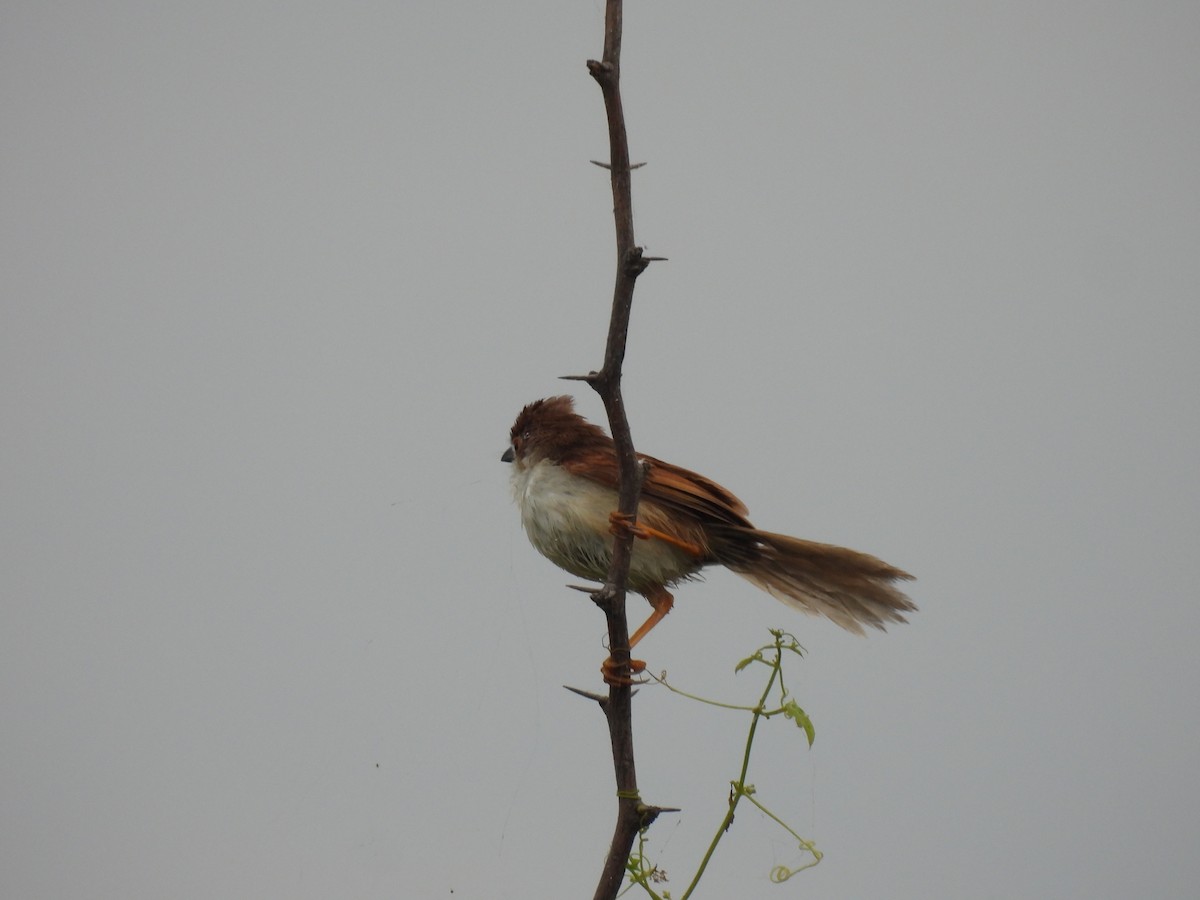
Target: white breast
567,519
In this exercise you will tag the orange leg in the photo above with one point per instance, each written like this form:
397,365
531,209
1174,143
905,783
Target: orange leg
662,601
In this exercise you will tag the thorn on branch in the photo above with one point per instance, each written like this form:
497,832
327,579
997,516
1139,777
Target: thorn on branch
650,813
599,698
604,165
583,589
590,377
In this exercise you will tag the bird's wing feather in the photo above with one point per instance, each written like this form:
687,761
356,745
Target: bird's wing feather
666,485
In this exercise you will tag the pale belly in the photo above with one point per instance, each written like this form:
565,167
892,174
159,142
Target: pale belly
567,520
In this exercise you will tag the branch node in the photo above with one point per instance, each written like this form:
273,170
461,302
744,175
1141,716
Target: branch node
635,264
601,71
604,597
650,813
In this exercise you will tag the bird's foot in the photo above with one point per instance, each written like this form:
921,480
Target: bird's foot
621,524
614,671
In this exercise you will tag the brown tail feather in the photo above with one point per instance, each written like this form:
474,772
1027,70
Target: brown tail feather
852,589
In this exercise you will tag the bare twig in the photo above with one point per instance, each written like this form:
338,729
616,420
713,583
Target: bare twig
632,814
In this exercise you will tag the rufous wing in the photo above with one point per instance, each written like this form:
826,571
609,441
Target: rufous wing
672,487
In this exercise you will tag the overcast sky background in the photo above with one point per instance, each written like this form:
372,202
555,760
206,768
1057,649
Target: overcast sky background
276,278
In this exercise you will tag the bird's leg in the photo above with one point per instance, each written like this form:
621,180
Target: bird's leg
662,601
620,523
659,597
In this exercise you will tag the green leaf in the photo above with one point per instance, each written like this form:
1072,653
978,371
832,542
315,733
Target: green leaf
757,657
792,710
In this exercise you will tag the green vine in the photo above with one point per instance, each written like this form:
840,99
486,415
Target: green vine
640,870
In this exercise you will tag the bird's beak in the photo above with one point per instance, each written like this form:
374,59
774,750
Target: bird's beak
507,456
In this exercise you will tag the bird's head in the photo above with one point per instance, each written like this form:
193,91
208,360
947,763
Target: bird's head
550,430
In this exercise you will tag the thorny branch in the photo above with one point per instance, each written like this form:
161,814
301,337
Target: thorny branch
632,814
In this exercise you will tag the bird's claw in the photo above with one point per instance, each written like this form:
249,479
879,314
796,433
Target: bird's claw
612,671
621,524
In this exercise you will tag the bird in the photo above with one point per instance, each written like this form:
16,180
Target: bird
564,480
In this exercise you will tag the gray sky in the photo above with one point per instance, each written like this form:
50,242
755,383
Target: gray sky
276,279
